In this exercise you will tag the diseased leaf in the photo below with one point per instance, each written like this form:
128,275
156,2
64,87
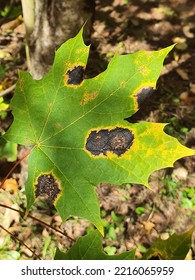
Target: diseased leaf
89,247
78,132
175,247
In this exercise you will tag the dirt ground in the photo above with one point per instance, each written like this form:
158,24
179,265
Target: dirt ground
141,215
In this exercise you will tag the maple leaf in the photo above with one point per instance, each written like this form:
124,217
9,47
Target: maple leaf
78,132
175,247
89,247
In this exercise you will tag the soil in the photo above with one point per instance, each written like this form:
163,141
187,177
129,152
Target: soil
144,214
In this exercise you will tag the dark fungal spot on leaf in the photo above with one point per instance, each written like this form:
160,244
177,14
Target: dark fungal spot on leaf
117,141
75,76
143,94
46,184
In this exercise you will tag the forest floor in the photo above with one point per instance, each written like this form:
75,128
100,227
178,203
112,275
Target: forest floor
135,216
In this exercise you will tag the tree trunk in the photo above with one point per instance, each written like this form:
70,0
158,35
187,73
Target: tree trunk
55,21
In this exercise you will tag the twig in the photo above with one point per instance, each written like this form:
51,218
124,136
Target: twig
20,241
7,90
41,222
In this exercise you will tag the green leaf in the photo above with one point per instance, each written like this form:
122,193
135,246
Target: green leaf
78,132
175,247
3,69
89,247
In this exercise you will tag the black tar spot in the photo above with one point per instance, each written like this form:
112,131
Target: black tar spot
47,185
117,140
75,76
143,94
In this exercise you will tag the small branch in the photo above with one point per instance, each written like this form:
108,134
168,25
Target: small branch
12,169
7,90
20,241
39,221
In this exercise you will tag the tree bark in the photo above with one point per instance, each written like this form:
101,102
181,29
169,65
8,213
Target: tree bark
55,21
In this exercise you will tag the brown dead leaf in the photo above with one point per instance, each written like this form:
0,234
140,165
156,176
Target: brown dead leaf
9,217
11,25
148,226
11,186
184,96
6,83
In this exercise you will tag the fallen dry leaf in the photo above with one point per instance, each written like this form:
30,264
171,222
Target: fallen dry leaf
148,226
11,186
184,96
10,217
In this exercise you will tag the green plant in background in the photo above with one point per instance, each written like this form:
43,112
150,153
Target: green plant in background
49,248
114,224
79,135
188,198
175,189
3,70
6,253
10,12
110,250
170,186
123,191
139,210
175,128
